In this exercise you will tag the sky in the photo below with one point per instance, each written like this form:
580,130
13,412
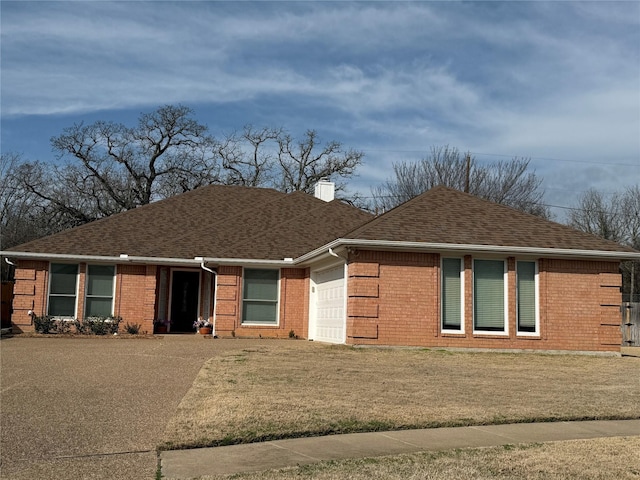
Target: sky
556,82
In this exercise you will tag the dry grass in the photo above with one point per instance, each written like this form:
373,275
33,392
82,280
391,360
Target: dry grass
598,459
292,389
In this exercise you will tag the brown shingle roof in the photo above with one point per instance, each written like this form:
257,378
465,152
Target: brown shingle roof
444,215
215,221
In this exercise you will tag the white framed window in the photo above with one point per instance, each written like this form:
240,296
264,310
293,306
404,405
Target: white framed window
452,295
490,297
260,295
99,295
63,290
528,317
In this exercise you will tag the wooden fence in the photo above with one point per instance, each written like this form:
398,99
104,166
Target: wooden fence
630,324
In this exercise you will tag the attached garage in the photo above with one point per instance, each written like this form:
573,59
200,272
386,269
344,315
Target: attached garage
328,302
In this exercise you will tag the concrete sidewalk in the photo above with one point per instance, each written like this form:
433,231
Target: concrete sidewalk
184,464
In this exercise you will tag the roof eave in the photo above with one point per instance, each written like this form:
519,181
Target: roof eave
124,258
451,247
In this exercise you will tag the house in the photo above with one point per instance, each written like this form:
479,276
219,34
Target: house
445,269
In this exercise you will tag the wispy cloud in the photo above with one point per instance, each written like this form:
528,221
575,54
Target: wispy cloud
547,79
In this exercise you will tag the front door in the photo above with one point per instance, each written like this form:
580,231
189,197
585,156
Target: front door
185,287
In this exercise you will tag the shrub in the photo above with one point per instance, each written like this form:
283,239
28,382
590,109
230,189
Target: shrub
44,324
133,329
50,324
98,325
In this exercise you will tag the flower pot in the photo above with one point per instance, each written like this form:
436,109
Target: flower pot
161,329
205,330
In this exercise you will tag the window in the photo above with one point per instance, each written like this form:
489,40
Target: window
99,298
526,290
489,296
452,295
260,296
63,283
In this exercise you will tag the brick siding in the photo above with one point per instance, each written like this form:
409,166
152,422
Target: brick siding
393,299
579,304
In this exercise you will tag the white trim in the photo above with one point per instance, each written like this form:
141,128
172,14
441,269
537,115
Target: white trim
124,258
462,316
323,252
468,248
278,300
535,333
505,283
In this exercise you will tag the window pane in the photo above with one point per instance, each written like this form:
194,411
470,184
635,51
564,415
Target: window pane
488,295
63,278
98,307
260,296
261,284
526,296
62,306
100,280
259,312
451,291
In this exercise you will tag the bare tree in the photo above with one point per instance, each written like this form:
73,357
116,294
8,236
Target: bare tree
509,183
248,156
304,162
121,167
616,218
599,216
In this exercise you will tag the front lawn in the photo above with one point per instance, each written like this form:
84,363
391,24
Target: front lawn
596,459
283,389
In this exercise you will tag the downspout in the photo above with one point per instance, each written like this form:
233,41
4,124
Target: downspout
215,290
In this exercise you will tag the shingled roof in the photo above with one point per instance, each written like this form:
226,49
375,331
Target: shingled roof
446,216
215,221
231,222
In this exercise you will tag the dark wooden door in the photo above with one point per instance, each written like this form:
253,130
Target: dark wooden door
184,300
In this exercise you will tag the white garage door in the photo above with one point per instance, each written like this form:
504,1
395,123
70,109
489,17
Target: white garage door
330,298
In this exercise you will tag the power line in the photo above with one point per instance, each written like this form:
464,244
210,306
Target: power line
583,162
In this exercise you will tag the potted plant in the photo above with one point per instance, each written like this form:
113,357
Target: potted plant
160,326
204,327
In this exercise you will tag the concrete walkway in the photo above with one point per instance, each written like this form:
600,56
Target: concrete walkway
184,464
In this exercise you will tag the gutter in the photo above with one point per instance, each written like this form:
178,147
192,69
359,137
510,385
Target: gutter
329,250
124,258
451,247
215,289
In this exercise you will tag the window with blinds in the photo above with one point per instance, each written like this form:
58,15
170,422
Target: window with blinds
99,296
63,287
260,296
526,292
452,295
489,296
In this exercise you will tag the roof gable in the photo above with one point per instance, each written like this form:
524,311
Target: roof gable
446,216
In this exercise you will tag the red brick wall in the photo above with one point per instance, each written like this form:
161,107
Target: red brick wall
294,305
30,293
136,295
393,299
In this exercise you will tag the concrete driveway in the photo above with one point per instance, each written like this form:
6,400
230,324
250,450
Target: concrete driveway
93,408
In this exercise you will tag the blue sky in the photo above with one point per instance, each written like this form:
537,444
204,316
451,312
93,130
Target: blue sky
558,82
